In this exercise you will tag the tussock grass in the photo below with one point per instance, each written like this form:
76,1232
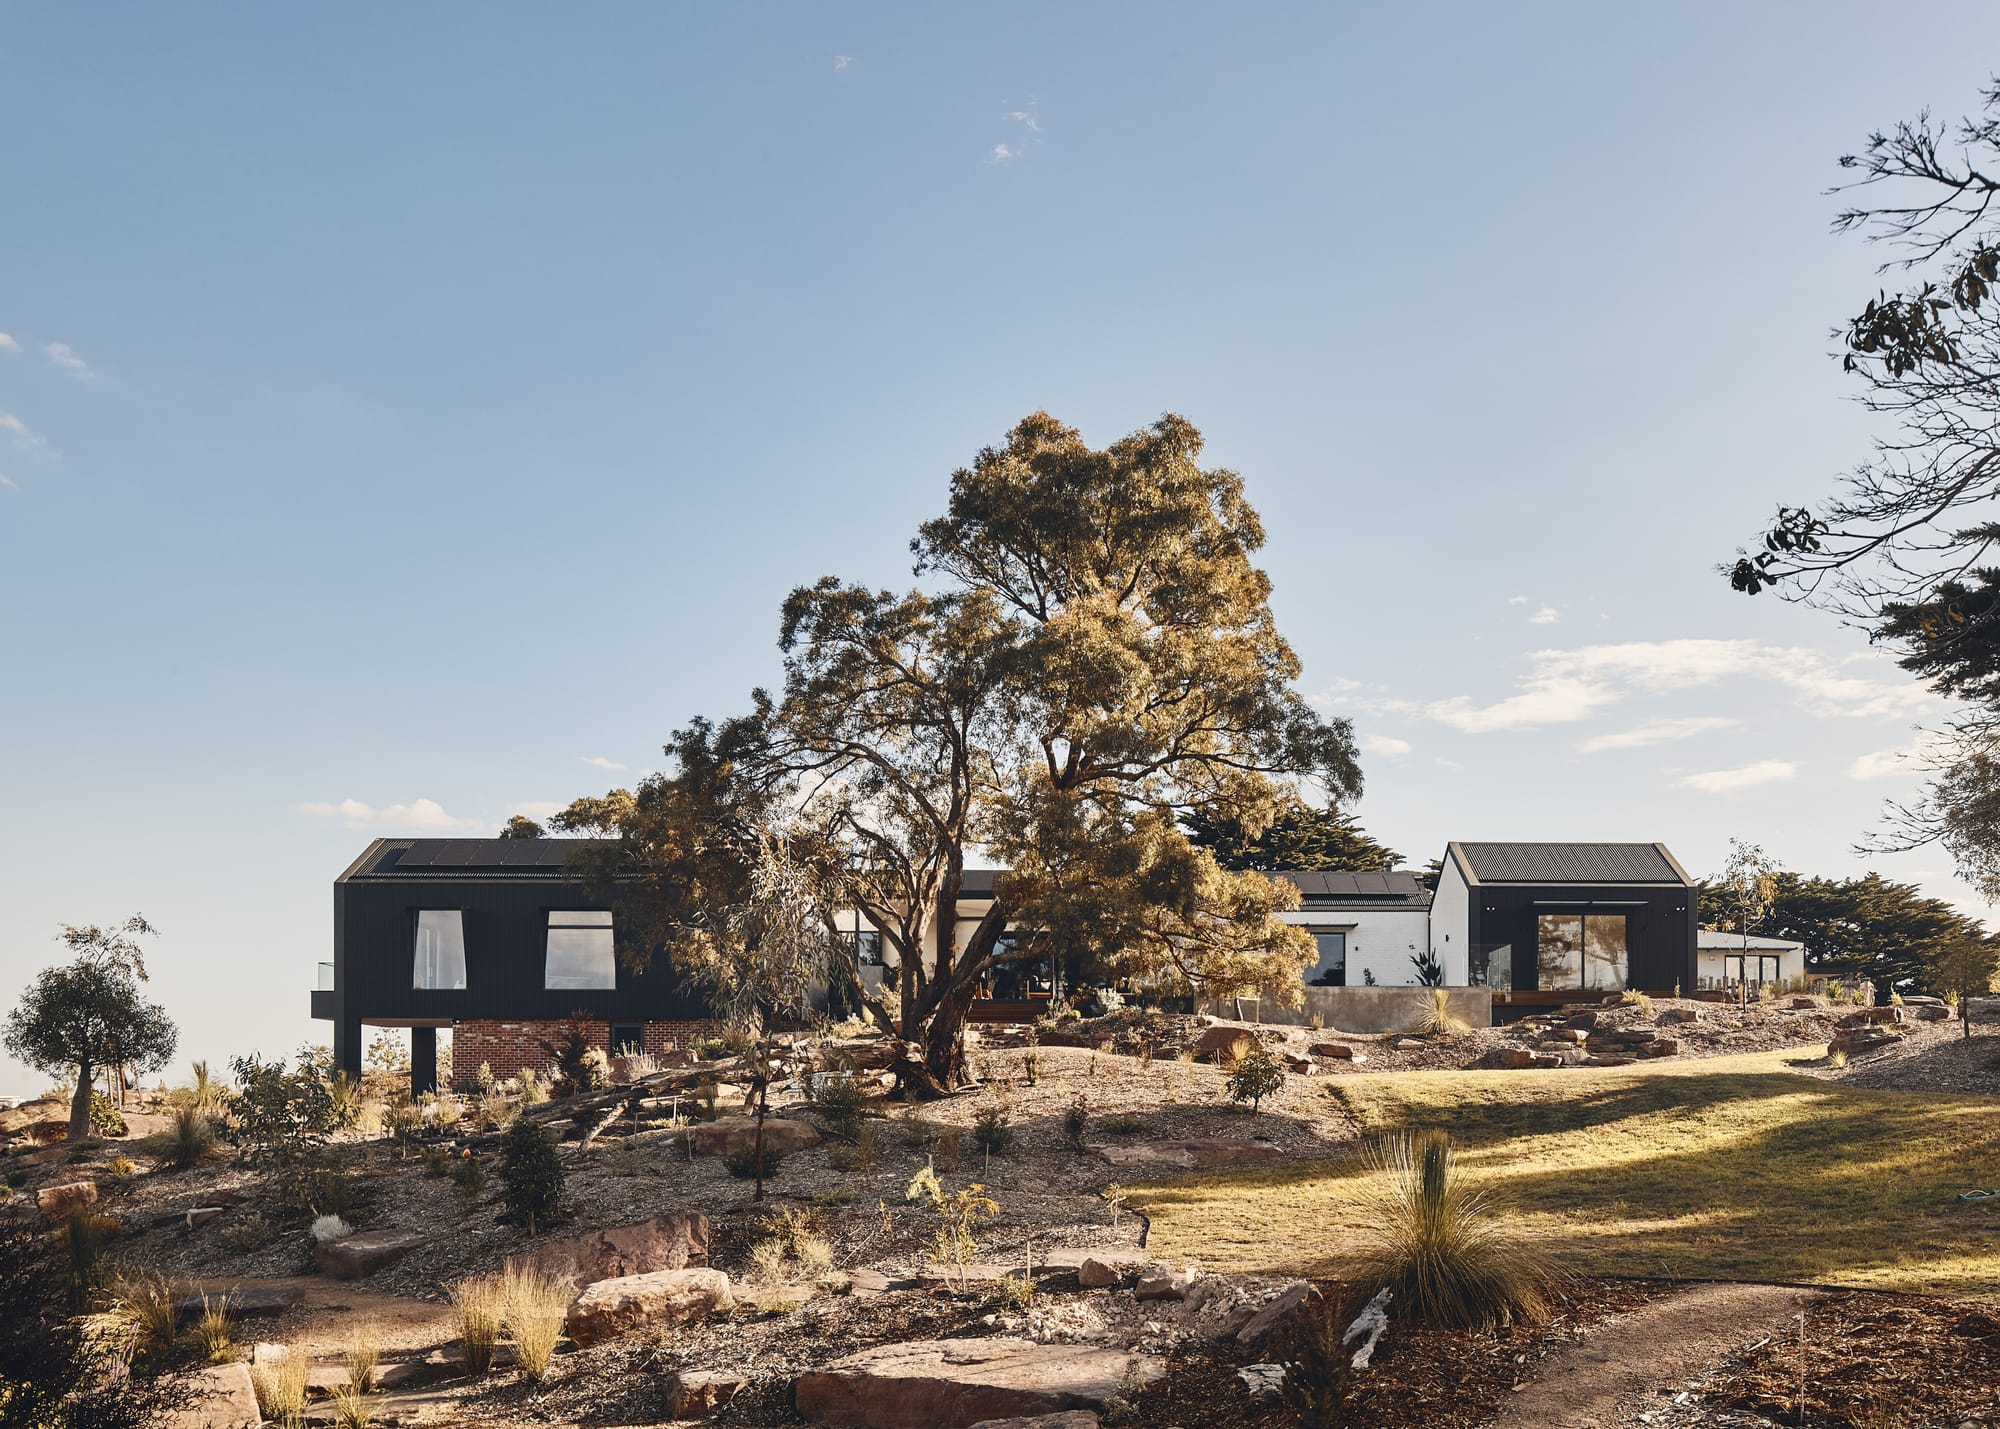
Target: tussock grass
214,1331
281,1388
534,1305
1437,1242
146,1303
481,1309
1436,1019
1728,1168
362,1357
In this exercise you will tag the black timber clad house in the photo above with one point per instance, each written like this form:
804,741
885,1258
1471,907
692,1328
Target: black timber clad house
481,935
1554,918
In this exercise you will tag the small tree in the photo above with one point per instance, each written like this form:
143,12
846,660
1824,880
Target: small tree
89,1016
1257,1076
1749,886
278,1116
531,1171
1966,969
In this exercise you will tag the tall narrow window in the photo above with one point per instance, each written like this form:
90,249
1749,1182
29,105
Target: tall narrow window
1331,969
440,960
580,951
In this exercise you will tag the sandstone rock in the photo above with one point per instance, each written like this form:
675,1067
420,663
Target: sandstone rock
1508,1057
1224,1044
1872,1017
202,1215
1166,1284
869,1281
1566,1034
1339,1051
221,1397
730,1134
1660,1047
1195,1154
1301,1066
1275,1316
1409,1044
399,1374
1262,1381
258,1303
658,1300
355,1257
1804,1004
1586,1019
1063,1419
1545,1060
1853,1040
1927,1009
57,1202
671,1241
1680,1014
1636,1036
695,1392
1096,1275
1124,1259
953,1384
1609,1059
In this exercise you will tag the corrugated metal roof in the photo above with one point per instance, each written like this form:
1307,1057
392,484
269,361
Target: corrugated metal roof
1707,940
1570,863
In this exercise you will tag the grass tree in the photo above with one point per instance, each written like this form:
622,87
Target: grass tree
90,1015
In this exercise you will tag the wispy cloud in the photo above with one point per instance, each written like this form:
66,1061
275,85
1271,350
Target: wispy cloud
841,62
7,344
1730,781
22,438
66,357
1547,615
1656,731
1027,117
601,762
1917,757
417,816
1568,686
1384,744
9,482
1517,600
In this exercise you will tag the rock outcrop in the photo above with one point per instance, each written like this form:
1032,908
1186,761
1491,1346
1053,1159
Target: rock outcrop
671,1241
660,1300
953,1384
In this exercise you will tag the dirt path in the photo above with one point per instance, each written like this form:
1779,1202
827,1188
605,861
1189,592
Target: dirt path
331,1312
1604,1382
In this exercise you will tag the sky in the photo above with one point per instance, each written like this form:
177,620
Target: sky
410,414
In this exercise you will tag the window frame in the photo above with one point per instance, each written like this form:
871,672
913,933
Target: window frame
417,917
550,926
1342,931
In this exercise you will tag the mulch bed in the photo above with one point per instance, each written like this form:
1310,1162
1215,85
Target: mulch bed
1872,1361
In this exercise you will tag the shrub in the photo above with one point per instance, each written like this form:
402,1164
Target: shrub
1437,1019
323,1187
1633,998
837,1100
277,1116
480,1307
954,1242
1836,1057
122,1168
144,1301
343,1093
469,1177
83,1237
105,1118
362,1357
1257,1075
1076,1122
742,1162
437,1160
576,1070
533,1092
860,1156
496,1111
992,1129
326,1228
1319,1368
483,1078
281,1388
531,1174
1434,1242
534,1304
191,1139
767,1262
214,1331
247,1232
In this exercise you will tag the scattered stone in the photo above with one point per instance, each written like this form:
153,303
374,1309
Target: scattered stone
1166,1284
1927,1009
1681,1014
202,1215
1586,1019
1566,1034
659,1300
1195,1154
868,1281
355,1257
221,1397
1508,1057
57,1202
671,1241
696,1392
731,1134
1301,1066
1660,1047
1545,1060
1338,1051
1225,1044
952,1384
1408,1044
1094,1274
1805,1004
1274,1316
1262,1381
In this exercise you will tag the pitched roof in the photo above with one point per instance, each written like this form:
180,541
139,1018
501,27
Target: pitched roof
1568,863
435,858
1326,888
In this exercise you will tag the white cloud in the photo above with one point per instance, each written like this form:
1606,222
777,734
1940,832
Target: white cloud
1547,615
65,357
601,762
1001,153
841,62
9,482
417,816
1656,731
7,344
1384,744
1443,763
1729,781
1566,686
1517,600
24,440
1027,117
1915,757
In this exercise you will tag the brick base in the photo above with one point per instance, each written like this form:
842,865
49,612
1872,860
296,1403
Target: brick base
507,1047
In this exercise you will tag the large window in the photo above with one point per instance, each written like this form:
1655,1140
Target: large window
1580,950
1755,968
581,955
868,948
1331,969
440,960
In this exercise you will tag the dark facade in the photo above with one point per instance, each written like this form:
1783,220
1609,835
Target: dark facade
507,948
1554,910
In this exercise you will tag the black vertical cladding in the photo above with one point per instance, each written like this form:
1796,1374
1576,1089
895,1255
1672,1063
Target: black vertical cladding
1660,923
505,910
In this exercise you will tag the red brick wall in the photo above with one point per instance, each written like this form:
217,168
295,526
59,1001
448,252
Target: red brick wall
507,1047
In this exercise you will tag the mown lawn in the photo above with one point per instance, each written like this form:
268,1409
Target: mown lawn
1727,1168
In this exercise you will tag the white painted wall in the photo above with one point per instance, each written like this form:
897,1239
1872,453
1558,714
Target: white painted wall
1709,964
1450,925
1379,940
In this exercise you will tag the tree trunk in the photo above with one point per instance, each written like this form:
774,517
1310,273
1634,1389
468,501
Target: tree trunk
763,1105
79,1105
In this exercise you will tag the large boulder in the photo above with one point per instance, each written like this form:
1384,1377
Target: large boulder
661,1300
1511,1058
953,1384
730,1134
1338,1051
1166,1284
1853,1041
1887,1015
672,1240
1927,1009
1199,1153
219,1397
57,1203
1223,1044
355,1257
1275,1317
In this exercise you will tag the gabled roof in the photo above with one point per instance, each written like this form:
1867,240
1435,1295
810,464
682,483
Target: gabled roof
450,858
1487,863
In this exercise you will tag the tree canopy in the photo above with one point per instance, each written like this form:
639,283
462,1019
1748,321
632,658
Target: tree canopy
1091,657
1870,927
1299,836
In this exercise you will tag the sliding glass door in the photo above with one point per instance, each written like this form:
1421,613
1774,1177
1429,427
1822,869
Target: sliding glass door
1581,950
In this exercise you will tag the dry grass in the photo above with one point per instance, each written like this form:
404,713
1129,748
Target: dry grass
281,1388
1729,1168
214,1331
362,1357
1437,1019
146,1302
481,1309
534,1305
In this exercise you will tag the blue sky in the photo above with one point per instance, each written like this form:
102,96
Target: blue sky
410,414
